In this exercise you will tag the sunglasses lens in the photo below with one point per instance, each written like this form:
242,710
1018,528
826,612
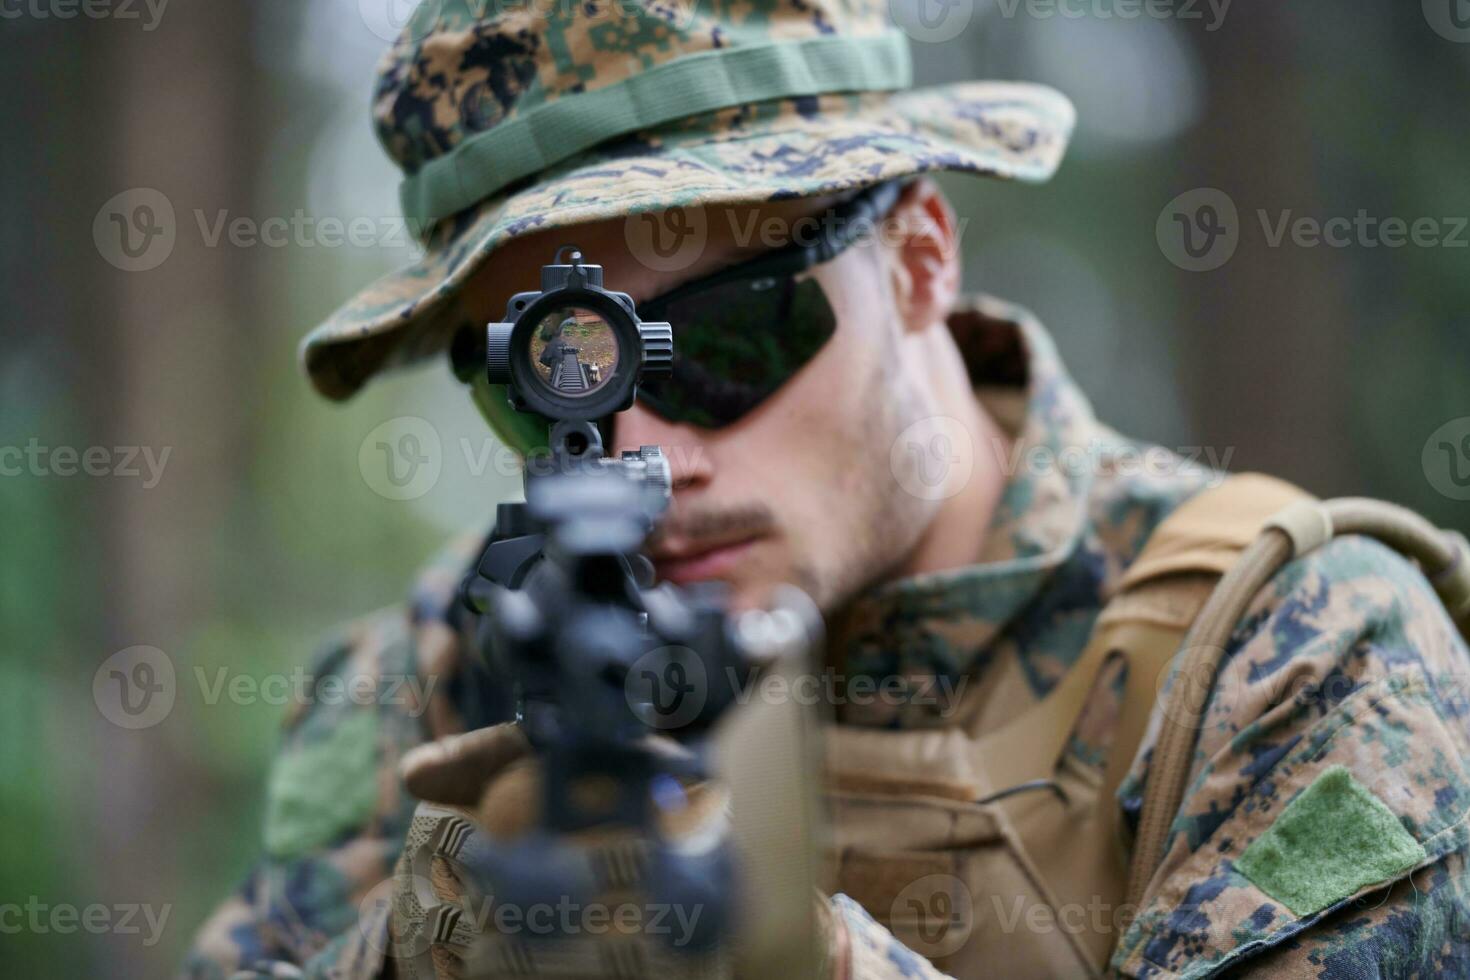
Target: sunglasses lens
735,344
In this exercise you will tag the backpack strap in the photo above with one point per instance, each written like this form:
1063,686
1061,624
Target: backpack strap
1184,558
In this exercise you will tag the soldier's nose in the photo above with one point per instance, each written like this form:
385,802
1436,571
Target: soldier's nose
689,464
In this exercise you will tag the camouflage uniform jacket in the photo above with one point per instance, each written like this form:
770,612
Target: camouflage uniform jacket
1346,660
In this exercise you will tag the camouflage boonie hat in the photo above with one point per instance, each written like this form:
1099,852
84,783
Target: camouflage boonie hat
511,116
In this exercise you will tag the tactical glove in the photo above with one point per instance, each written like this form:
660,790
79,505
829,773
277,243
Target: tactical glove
481,793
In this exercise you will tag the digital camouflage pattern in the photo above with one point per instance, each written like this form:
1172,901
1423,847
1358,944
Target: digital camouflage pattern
1346,659
462,68
873,952
316,899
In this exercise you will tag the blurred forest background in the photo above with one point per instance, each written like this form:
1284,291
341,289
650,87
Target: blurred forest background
1332,366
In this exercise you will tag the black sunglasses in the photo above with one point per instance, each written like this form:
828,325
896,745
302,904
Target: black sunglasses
743,332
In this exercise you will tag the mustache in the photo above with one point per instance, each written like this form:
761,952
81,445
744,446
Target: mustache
696,525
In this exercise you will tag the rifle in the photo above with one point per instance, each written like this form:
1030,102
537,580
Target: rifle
600,658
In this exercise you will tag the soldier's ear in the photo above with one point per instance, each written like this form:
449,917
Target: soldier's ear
920,243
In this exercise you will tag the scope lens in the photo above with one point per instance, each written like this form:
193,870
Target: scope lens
574,350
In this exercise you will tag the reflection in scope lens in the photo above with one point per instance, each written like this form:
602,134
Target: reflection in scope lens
574,351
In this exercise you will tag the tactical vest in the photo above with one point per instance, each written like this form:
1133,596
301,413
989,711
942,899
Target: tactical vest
994,848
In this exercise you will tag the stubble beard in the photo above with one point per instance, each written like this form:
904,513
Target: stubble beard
885,523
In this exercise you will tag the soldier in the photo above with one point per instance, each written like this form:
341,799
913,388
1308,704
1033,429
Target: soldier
1324,830
552,336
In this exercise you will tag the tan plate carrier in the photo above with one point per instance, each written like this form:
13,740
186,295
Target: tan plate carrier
1035,881
992,848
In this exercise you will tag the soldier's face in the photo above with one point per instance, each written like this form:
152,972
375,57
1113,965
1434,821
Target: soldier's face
800,489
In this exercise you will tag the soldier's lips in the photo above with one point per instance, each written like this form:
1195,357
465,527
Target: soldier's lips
699,563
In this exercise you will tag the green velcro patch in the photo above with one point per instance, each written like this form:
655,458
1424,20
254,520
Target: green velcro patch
1329,842
323,788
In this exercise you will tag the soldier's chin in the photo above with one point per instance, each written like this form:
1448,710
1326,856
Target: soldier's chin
754,585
